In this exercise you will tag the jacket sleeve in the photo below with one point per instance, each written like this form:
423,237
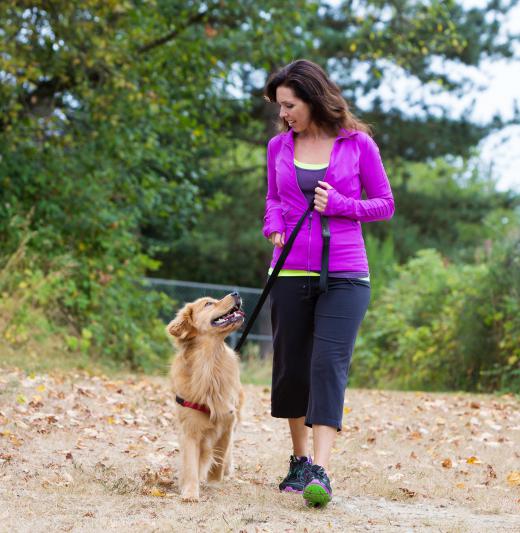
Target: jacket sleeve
273,219
379,204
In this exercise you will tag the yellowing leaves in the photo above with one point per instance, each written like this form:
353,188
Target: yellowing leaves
157,492
513,478
11,437
473,460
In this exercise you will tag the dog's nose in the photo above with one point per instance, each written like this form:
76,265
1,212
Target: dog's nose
235,294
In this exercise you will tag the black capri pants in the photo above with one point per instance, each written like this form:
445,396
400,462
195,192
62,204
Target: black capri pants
313,337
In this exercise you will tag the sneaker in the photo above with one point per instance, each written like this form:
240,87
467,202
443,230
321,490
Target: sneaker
294,480
317,491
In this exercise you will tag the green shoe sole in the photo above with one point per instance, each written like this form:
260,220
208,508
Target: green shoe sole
316,496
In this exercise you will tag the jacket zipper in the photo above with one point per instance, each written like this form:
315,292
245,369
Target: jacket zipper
310,215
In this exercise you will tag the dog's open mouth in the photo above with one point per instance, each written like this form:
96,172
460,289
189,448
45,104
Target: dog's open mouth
233,315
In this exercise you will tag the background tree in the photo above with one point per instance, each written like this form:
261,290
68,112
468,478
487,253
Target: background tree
133,139
362,43
109,111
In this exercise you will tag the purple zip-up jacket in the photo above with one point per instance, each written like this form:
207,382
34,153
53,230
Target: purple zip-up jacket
355,165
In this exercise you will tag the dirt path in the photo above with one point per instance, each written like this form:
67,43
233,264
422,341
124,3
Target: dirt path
81,453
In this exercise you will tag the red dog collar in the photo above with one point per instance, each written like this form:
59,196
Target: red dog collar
191,405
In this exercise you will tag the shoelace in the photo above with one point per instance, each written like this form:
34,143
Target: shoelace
297,469
320,474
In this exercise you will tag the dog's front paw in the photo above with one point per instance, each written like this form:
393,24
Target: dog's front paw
190,495
215,475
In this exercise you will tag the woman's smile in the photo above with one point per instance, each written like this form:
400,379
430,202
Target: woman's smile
292,109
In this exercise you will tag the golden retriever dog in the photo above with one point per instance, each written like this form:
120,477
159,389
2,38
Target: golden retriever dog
206,381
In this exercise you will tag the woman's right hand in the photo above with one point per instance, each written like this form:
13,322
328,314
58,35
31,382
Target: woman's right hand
278,239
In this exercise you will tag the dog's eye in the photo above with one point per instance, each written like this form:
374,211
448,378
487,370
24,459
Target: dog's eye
208,303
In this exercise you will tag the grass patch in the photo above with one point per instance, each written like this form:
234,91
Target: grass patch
49,357
256,371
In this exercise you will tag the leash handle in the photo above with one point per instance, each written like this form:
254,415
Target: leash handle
325,233
273,276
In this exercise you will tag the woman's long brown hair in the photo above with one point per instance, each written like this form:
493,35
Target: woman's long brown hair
310,83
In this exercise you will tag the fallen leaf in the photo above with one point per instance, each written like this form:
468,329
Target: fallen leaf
473,460
513,478
491,472
407,492
447,463
157,492
20,399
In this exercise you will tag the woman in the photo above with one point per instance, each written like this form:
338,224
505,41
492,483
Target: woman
326,156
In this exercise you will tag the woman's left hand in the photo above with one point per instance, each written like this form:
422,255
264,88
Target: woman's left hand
322,196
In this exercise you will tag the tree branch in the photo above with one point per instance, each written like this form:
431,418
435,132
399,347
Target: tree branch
173,34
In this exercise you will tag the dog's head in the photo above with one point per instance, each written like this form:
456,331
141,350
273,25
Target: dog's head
207,316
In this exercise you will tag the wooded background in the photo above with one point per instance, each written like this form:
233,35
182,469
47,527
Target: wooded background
132,143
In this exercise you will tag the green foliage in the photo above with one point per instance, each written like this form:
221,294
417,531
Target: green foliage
416,40
77,309
30,295
382,261
440,325
447,205
227,243
135,130
108,112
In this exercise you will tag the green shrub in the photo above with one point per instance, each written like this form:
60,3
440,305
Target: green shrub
445,326
87,309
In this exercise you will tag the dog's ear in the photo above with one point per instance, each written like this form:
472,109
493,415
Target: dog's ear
182,325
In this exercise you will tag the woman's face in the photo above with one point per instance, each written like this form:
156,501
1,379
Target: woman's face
294,111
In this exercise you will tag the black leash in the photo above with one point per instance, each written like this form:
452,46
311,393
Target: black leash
279,264
325,233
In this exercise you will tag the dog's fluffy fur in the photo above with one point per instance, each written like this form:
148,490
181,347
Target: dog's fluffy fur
206,371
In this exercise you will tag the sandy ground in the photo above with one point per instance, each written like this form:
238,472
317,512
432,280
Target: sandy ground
80,453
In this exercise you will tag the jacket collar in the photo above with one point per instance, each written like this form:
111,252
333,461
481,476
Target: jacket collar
288,136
